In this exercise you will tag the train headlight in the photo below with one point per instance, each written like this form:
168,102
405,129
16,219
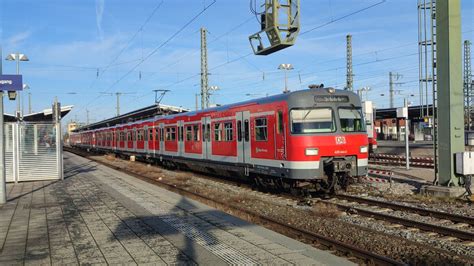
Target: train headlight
364,149
311,151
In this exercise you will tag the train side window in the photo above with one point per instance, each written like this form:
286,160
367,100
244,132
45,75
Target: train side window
239,130
261,130
162,134
168,133
196,132
179,134
173,133
157,134
229,131
280,122
218,132
189,133
134,135
208,132
246,130
150,134
203,133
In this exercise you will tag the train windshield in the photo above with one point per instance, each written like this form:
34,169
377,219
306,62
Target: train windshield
317,120
351,120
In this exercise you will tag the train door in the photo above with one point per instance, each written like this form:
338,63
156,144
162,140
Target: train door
134,139
180,125
280,136
243,136
145,139
151,139
162,138
206,137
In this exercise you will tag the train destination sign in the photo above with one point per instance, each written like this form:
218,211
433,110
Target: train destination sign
11,82
331,98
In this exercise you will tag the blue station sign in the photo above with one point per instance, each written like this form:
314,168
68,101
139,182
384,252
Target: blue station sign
11,82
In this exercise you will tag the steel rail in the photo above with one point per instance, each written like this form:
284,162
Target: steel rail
465,235
425,212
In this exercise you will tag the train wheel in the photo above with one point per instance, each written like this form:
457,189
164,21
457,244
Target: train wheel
330,186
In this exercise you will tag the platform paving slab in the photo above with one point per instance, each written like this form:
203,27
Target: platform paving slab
101,216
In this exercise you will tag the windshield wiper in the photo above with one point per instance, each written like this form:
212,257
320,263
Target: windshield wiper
304,117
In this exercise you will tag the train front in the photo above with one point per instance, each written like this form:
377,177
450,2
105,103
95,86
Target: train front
328,142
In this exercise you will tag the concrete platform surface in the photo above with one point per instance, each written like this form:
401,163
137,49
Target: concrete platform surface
101,216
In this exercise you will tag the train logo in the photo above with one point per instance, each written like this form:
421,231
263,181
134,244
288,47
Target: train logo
340,140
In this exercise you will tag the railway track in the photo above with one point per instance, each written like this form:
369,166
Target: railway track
313,238
408,222
388,159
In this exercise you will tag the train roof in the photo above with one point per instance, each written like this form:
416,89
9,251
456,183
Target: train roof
150,113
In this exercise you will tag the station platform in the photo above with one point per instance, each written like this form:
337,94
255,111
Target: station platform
98,215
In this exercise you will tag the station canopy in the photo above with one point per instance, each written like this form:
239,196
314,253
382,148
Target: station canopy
414,112
140,114
43,116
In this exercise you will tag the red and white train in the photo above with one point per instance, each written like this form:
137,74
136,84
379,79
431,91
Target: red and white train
313,138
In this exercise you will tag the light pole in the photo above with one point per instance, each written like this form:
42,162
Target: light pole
17,57
209,92
285,68
407,133
26,87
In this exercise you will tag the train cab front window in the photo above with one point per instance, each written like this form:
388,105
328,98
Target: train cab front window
316,120
351,120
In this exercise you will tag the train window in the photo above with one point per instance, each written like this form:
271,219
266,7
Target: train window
218,132
203,133
208,132
170,133
316,120
162,134
246,130
196,132
139,135
150,134
181,133
239,130
134,135
351,120
280,122
261,131
229,131
189,133
157,134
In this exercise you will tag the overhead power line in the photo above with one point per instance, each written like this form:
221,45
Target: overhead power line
157,48
343,17
162,44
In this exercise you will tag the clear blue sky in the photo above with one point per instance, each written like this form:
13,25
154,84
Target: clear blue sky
70,44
